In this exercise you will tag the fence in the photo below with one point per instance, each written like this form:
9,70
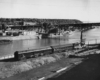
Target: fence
92,41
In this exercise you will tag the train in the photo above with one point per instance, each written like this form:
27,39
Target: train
33,53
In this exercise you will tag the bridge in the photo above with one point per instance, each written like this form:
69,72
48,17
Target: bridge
65,27
78,26
82,27
82,24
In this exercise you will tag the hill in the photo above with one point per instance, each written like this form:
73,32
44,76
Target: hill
19,21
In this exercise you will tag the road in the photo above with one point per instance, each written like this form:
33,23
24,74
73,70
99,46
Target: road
88,70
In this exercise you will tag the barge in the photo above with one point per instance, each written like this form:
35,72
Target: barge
54,35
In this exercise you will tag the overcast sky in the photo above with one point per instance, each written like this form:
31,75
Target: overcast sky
84,10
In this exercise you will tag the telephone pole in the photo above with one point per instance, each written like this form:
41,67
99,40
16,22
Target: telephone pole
81,37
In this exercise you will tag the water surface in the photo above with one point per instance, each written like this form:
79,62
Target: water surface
8,49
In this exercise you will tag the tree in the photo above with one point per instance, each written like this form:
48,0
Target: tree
3,27
46,26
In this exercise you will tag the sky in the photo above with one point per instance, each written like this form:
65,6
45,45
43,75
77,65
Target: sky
84,10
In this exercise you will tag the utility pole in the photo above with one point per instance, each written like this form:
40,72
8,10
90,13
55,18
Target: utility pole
81,37
82,41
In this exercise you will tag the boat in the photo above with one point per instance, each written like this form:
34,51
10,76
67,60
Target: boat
42,35
54,35
63,34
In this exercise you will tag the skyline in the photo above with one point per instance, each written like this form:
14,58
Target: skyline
84,10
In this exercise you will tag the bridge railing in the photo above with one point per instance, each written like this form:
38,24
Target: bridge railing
92,41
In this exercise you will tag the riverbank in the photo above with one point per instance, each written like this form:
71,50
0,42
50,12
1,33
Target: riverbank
21,37
25,69
18,35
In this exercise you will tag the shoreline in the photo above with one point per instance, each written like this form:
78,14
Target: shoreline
21,37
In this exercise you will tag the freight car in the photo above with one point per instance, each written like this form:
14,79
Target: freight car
42,51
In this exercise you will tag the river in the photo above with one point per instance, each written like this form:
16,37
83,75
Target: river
8,49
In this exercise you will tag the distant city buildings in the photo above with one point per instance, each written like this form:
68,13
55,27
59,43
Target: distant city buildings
29,23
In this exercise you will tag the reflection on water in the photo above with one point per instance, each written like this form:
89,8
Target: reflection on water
36,43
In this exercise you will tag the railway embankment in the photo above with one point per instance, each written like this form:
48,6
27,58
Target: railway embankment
9,69
33,69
